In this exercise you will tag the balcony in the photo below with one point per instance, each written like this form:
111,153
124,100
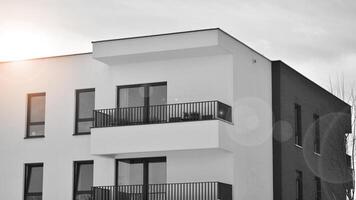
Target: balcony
167,191
158,114
162,128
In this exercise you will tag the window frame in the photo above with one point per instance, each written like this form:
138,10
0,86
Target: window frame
299,185
77,119
317,144
28,118
27,176
298,138
317,188
76,168
146,87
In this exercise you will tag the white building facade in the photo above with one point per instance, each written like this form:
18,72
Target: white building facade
193,108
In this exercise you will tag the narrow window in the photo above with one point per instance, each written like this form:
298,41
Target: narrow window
299,185
36,104
83,179
316,134
298,124
33,181
317,188
85,103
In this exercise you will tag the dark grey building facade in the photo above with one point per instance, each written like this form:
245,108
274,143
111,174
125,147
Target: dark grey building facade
310,128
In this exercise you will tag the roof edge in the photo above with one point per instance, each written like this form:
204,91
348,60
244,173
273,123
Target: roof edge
155,35
47,57
314,83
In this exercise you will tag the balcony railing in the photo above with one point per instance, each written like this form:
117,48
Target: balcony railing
156,114
168,191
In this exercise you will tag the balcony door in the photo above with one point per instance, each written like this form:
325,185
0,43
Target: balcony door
143,172
143,102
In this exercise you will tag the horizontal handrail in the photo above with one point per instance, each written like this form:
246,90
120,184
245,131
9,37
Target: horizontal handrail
167,113
165,191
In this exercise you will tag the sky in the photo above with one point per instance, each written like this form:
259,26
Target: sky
317,38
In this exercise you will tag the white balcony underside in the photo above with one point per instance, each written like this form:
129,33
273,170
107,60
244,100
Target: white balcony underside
210,134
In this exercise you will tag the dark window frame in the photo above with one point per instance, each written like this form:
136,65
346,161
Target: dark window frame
317,188
27,178
28,120
76,167
144,160
317,144
146,87
298,138
77,119
146,90
299,185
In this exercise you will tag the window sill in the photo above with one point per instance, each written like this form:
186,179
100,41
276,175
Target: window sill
297,145
37,136
86,133
318,154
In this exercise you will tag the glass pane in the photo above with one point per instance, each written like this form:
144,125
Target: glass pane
130,173
157,172
33,198
38,104
158,95
84,127
35,179
85,177
86,104
131,97
36,130
83,197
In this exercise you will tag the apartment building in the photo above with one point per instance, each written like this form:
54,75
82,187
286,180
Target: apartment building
188,115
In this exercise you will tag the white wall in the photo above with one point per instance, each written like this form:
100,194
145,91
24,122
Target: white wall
59,78
233,79
252,91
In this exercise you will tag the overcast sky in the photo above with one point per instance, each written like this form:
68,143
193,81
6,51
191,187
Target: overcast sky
317,38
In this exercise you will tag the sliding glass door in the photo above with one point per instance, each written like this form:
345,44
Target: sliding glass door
143,174
142,103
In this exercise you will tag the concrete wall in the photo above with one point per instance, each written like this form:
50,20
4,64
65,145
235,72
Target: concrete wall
233,78
290,87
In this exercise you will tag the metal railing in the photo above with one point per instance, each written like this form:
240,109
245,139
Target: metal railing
167,191
168,113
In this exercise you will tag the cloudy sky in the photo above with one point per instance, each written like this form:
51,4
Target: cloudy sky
317,38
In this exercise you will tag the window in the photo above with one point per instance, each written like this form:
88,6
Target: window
142,95
141,171
299,185
144,172
317,188
83,180
316,134
33,181
143,98
85,103
298,124
36,104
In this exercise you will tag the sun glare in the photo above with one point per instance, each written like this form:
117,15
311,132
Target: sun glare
20,44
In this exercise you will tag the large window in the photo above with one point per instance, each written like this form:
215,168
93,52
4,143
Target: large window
83,180
298,124
36,108
33,181
317,188
143,172
85,103
141,103
299,185
316,134
142,95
